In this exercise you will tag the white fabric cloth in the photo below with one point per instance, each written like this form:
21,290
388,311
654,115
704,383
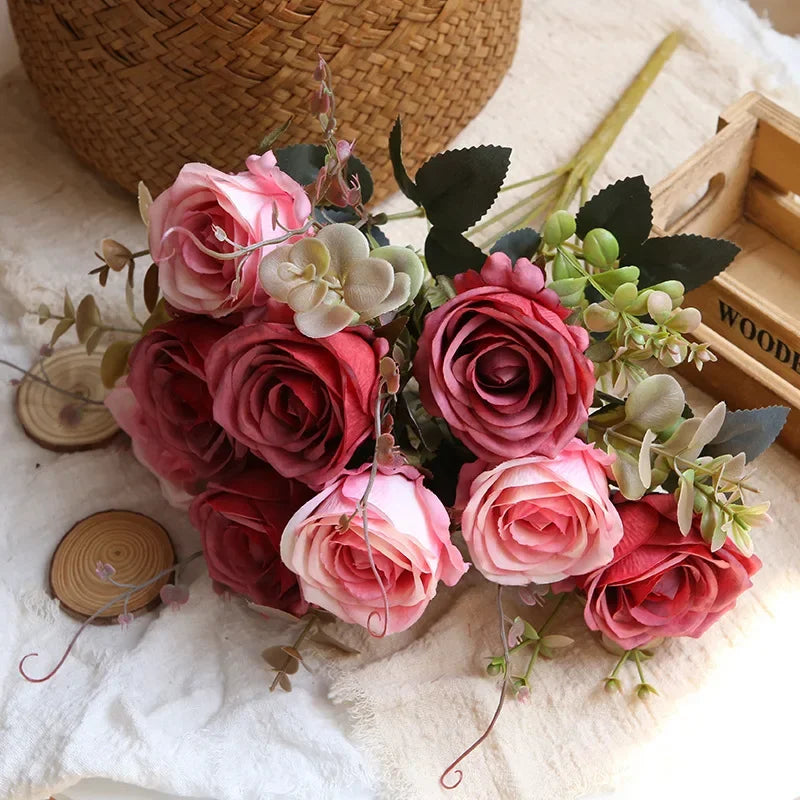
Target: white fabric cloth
178,703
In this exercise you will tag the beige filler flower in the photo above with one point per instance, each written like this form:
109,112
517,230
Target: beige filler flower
333,280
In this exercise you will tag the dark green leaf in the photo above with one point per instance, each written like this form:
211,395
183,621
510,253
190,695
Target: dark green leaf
624,208
750,431
693,260
377,234
303,161
448,253
392,330
273,136
150,287
518,244
407,186
458,187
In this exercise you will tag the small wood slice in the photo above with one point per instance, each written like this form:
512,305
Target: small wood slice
136,546
41,411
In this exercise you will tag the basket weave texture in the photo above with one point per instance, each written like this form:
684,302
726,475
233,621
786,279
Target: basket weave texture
139,89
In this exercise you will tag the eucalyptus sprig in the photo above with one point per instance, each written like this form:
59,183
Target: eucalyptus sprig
655,444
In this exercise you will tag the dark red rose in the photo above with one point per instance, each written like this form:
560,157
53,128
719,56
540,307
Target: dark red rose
303,405
165,407
501,366
659,582
241,519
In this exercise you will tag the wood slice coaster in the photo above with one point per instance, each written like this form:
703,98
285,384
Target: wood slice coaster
136,546
41,411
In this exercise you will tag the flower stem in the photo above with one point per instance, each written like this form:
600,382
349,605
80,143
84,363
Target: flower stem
30,376
479,741
622,659
296,646
575,175
414,212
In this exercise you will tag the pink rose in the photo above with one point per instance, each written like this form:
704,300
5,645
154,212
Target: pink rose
499,364
661,583
409,532
245,206
240,519
164,405
538,519
303,405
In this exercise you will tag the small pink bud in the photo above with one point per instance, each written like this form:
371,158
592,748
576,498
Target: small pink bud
387,423
344,149
104,571
384,446
524,695
321,70
14,382
45,350
533,595
516,632
174,595
125,620
320,102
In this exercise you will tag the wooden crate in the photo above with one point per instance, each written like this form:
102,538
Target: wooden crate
744,185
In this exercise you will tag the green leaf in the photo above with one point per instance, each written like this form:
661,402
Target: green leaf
447,252
273,136
693,260
458,187
407,186
114,363
521,243
69,309
749,431
87,318
61,328
303,161
93,340
150,287
624,208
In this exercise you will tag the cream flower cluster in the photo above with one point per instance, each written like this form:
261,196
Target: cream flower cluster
332,280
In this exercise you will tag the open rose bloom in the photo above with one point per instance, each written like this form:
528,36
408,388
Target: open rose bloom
409,532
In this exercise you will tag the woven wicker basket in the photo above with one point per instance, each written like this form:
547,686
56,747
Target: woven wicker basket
138,89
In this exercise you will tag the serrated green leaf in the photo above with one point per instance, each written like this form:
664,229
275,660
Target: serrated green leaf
303,161
624,208
749,431
691,259
447,252
457,187
407,186
521,243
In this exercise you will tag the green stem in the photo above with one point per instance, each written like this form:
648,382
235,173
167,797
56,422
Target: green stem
414,212
590,156
548,187
535,654
559,171
622,659
638,660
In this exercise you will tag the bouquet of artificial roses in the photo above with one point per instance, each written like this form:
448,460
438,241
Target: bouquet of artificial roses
350,422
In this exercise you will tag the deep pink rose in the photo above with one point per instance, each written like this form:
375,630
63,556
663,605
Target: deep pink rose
244,206
501,366
303,405
539,519
661,583
409,531
164,405
241,519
